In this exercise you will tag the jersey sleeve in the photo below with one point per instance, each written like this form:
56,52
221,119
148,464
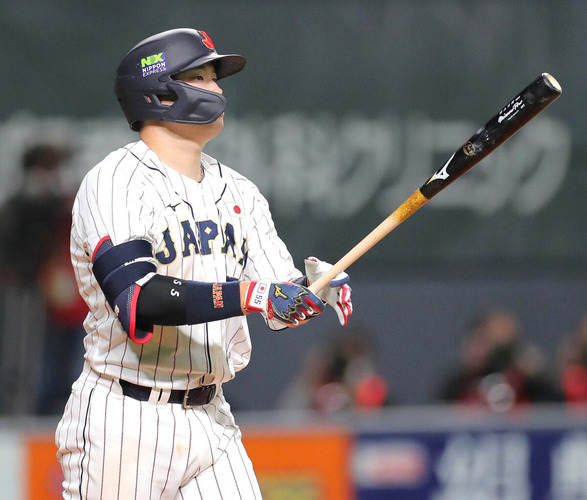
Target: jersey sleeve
113,202
268,256
112,238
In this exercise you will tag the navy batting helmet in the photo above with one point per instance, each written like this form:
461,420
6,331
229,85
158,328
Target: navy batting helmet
144,78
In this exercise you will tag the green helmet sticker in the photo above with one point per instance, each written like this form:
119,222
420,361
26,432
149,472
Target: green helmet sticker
155,63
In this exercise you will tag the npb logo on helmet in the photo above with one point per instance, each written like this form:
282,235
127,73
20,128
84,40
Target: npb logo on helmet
153,64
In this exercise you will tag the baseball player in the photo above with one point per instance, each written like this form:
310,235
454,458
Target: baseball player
171,250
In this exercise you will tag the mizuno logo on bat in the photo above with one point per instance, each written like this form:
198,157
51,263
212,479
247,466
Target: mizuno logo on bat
443,172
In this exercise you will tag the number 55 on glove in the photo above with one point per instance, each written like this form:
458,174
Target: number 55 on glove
282,302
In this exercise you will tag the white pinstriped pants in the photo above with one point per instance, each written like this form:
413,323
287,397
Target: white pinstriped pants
114,447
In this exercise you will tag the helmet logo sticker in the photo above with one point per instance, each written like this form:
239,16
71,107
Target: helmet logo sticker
153,64
207,41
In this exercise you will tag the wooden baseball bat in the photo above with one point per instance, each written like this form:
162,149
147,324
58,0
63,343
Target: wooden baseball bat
512,117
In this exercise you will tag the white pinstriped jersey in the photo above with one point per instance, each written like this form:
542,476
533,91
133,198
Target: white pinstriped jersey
214,230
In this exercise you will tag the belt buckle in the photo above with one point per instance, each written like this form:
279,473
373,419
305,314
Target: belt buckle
185,400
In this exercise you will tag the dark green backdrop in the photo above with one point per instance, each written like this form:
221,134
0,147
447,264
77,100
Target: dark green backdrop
344,109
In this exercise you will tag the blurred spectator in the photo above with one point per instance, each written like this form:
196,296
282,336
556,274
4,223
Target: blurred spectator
574,365
340,376
499,370
35,225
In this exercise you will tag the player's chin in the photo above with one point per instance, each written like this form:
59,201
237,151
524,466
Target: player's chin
210,130
218,124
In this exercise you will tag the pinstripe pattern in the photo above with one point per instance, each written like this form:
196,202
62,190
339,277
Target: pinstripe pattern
112,447
217,230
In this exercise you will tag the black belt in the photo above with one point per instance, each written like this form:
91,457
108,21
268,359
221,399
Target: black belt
189,398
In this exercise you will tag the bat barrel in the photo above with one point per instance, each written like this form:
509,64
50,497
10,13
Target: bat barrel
512,117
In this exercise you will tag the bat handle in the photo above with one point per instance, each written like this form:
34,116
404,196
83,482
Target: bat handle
332,273
407,208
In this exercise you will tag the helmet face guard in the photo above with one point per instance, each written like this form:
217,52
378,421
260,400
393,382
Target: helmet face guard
144,79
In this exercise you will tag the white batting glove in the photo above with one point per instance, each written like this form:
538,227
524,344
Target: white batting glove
338,294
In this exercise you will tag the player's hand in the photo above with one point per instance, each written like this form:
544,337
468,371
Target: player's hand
282,303
338,294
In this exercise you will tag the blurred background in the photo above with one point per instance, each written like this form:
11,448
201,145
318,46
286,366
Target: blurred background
463,368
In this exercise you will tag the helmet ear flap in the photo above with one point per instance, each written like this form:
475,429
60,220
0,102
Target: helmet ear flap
160,99
153,103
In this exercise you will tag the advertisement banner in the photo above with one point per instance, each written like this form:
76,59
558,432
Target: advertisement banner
516,464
